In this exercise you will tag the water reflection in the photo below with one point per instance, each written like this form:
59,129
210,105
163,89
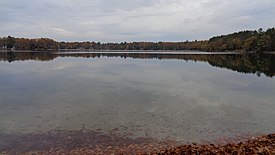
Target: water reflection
248,63
144,97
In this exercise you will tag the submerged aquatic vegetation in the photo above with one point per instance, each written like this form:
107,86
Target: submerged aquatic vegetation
262,145
87,141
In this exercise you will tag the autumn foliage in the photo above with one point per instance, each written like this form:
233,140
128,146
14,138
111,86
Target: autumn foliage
258,41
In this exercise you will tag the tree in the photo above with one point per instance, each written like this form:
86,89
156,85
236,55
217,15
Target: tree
2,43
264,43
250,43
237,43
260,30
271,33
10,42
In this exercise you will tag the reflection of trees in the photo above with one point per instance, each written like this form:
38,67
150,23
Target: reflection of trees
249,63
23,56
254,63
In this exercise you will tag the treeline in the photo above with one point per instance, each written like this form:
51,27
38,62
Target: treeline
259,41
28,44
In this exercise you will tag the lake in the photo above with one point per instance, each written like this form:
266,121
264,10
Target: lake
181,97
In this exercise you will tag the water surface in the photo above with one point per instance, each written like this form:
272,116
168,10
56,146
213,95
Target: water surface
189,98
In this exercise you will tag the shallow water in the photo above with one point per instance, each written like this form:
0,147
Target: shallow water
178,97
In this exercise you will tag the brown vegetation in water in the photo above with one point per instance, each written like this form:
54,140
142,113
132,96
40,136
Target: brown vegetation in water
93,142
264,145
83,141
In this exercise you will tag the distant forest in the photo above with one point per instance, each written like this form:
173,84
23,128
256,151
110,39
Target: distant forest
244,41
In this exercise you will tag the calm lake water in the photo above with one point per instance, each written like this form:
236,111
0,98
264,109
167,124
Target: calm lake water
180,97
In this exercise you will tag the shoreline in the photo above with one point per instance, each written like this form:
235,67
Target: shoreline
160,52
260,145
87,141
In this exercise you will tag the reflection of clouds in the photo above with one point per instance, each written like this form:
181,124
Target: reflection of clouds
179,96
61,67
82,63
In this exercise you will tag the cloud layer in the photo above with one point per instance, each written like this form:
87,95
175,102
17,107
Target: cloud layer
135,20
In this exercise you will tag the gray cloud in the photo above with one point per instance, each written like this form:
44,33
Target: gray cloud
135,20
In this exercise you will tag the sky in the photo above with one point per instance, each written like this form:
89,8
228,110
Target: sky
132,20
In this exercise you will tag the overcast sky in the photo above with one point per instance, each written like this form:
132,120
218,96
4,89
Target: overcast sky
132,20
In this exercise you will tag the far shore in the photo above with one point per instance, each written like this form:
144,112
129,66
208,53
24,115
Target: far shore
98,51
